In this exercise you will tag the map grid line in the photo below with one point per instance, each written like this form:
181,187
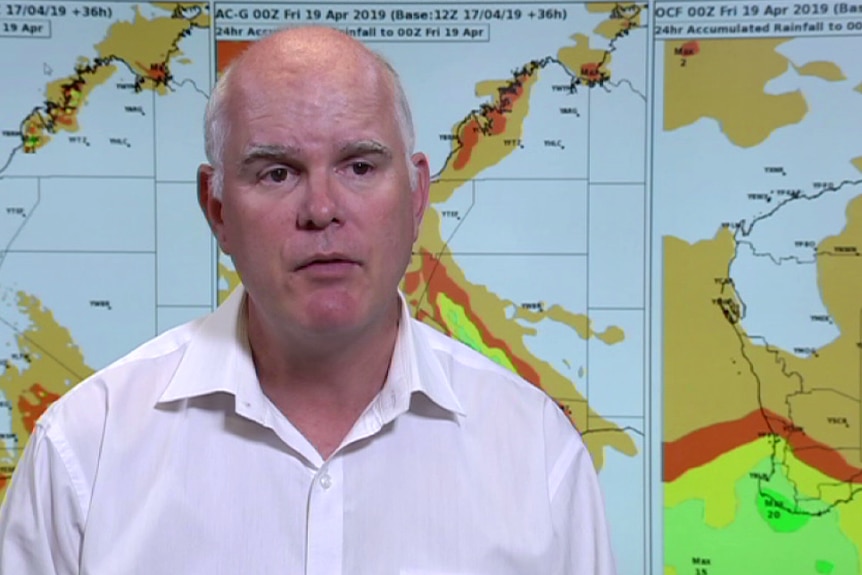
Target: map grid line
588,119
155,217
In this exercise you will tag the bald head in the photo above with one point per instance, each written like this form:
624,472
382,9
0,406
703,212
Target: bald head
294,56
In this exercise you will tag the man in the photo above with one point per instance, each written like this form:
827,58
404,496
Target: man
309,425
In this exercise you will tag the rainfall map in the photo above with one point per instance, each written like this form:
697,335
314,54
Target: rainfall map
652,211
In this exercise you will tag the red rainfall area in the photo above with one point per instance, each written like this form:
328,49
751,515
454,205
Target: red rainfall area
704,445
491,121
434,276
30,412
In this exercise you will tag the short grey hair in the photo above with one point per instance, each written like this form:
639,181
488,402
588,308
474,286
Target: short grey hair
217,125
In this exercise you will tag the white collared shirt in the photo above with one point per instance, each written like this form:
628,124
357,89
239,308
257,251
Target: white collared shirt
172,461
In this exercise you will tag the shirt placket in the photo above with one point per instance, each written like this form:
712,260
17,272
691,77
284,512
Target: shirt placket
325,520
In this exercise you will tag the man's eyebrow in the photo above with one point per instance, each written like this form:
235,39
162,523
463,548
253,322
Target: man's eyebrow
257,152
365,147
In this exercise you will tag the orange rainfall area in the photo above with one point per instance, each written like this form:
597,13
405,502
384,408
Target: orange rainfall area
145,46
435,285
48,363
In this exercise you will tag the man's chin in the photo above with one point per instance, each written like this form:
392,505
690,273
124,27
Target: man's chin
342,314
331,315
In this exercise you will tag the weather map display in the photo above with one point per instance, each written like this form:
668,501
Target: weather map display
652,211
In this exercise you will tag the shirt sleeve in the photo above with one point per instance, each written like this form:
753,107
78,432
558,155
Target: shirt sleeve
41,518
577,503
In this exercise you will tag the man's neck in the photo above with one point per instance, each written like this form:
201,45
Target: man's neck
323,384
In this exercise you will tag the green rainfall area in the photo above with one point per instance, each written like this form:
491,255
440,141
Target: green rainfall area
769,534
465,331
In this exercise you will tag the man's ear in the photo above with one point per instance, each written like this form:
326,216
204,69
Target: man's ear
420,191
211,205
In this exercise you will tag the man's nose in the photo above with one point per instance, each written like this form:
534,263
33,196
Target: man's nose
320,205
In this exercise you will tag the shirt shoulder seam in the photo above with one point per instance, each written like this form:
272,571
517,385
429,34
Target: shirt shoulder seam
55,440
564,463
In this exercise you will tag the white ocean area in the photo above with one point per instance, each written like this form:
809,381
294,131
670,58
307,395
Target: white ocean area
71,285
780,299
702,179
626,498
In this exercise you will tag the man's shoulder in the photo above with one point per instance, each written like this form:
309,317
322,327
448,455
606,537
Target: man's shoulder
153,352
501,407
471,372
133,378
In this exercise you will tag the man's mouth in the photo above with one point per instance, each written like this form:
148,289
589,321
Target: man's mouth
333,262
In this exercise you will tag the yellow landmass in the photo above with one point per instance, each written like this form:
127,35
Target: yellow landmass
229,276
600,7
714,372
725,80
579,322
70,94
822,69
858,88
64,100
146,46
835,367
55,364
857,163
706,378
579,412
827,415
489,149
490,88
589,64
194,12
624,17
839,276
530,315
612,335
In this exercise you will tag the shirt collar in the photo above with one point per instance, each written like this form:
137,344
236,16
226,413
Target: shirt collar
415,366
217,356
218,359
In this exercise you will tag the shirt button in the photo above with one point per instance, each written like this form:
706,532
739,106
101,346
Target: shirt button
325,481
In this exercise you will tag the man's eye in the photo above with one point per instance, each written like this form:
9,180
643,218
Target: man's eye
277,175
362,168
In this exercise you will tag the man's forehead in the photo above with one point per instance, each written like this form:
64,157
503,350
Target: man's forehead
328,97
288,96
302,83
342,111
299,125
